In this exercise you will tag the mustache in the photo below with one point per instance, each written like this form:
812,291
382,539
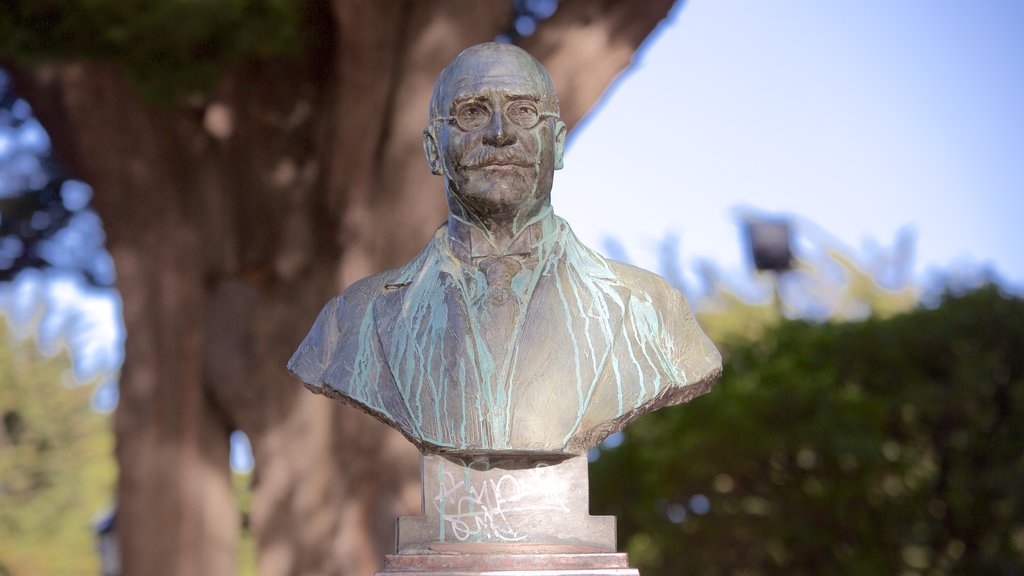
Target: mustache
491,157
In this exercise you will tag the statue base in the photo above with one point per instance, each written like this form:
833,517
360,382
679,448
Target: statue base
503,515
504,564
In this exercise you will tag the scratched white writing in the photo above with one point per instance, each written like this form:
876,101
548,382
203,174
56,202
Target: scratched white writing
496,508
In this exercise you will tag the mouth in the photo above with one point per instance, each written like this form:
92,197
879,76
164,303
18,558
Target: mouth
500,166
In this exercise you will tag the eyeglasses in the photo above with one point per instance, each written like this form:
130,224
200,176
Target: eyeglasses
470,116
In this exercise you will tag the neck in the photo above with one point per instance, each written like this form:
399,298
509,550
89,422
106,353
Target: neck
470,240
500,229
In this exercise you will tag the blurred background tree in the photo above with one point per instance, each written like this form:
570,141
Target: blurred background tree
881,446
249,159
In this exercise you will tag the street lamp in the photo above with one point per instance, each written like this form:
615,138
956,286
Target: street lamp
769,241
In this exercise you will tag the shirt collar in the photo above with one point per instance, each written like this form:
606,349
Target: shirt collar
468,241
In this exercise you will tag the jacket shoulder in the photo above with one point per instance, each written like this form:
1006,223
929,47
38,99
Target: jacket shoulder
335,328
640,280
658,306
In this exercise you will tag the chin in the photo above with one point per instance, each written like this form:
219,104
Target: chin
503,187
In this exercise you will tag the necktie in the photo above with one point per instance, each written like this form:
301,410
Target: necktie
499,308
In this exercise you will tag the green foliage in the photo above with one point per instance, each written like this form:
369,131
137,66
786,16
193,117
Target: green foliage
170,47
241,484
57,467
888,446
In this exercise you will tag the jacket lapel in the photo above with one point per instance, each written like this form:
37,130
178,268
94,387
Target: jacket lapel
572,323
424,334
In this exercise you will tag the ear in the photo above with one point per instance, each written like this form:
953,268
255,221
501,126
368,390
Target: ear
560,133
431,151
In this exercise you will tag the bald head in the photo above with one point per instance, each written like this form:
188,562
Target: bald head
491,65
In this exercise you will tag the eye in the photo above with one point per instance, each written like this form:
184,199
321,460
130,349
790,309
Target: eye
523,113
471,116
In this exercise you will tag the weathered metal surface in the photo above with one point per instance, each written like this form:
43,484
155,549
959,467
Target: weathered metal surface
512,505
505,333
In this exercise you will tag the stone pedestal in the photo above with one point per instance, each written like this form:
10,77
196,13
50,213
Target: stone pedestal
506,514
566,564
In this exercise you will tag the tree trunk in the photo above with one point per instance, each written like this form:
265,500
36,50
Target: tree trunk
232,219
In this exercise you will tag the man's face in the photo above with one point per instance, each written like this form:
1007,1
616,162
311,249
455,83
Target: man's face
498,137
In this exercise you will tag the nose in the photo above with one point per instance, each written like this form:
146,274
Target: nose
496,133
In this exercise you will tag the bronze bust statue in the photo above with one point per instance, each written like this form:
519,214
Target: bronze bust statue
505,333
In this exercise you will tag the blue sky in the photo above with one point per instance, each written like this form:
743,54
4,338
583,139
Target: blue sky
861,118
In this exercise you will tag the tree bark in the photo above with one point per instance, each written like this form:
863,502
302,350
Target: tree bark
232,219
